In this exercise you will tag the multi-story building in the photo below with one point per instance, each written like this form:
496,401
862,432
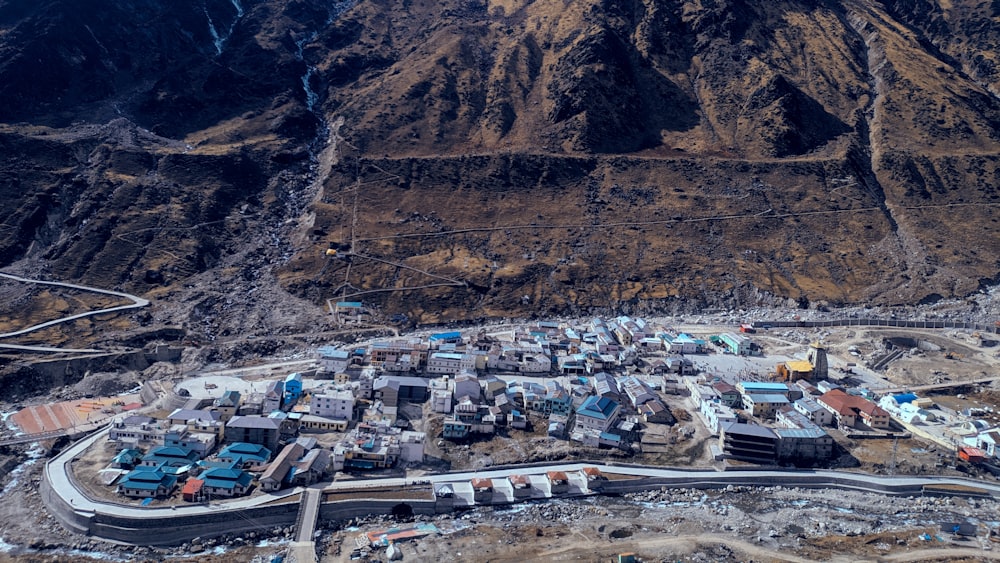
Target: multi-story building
728,395
274,397
450,363
392,390
848,409
261,430
293,388
338,403
813,411
469,418
202,443
717,414
227,405
377,446
399,355
738,344
441,400
467,385
332,360
749,442
597,413
136,430
801,439
764,405
636,390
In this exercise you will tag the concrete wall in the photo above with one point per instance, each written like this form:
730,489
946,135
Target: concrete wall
355,508
61,510
882,322
173,529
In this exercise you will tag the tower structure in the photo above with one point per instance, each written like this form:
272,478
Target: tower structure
817,357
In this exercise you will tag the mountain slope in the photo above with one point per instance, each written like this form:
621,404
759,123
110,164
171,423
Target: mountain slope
492,158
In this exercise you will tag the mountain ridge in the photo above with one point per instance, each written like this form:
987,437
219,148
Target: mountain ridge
641,152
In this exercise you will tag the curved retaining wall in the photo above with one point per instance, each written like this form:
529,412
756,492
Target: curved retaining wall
165,526
162,526
165,529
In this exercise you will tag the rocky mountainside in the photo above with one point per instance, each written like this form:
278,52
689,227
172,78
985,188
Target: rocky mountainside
471,159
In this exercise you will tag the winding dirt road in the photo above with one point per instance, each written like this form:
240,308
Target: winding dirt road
137,302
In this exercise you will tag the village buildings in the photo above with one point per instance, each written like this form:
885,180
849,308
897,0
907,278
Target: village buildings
603,384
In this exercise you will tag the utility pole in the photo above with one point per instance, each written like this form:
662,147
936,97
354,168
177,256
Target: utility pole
892,462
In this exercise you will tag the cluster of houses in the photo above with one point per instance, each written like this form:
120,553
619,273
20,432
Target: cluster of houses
459,376
547,348
520,486
226,448
603,410
209,457
607,397
769,422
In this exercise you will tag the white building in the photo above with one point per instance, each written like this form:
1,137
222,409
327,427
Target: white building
441,401
450,363
636,390
987,441
333,360
596,413
199,442
467,385
717,415
273,397
333,404
813,411
411,446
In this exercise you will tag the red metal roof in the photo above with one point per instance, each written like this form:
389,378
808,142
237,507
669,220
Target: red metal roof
192,486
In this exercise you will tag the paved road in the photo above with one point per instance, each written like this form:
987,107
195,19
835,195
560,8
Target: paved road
58,477
261,369
303,549
50,349
932,386
137,302
310,511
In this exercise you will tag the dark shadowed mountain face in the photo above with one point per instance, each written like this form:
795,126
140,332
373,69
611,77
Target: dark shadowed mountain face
475,158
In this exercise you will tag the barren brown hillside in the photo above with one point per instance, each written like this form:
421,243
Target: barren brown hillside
474,159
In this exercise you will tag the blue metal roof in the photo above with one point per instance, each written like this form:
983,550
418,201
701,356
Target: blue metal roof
147,479
597,407
171,453
359,463
243,451
446,336
331,352
447,356
226,478
763,386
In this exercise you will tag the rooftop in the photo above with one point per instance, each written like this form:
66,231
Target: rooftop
597,407
748,430
799,365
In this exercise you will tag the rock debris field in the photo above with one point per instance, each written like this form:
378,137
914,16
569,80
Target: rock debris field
732,524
